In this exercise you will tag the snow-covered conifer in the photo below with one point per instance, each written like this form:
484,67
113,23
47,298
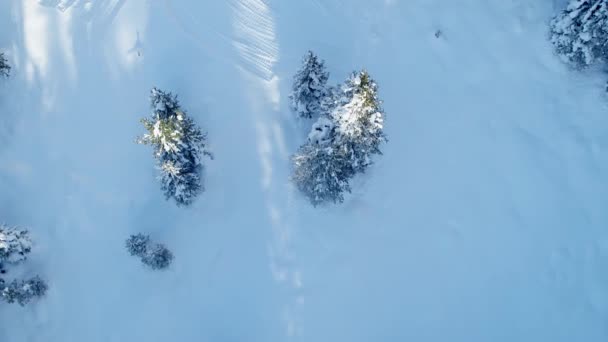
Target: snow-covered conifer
5,68
359,120
137,245
309,87
321,173
179,147
156,256
15,244
23,291
580,32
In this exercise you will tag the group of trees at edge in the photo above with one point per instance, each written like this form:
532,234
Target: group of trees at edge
347,132
15,245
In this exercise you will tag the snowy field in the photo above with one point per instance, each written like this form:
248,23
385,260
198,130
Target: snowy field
484,220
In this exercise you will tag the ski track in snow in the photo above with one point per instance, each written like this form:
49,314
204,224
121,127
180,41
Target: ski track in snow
256,44
255,40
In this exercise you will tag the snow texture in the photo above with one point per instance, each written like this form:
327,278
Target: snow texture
484,219
322,132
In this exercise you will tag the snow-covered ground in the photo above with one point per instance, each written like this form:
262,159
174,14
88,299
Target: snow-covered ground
484,220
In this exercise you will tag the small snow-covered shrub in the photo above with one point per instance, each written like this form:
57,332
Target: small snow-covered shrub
155,256
580,32
22,291
158,257
179,147
137,245
309,87
5,69
15,244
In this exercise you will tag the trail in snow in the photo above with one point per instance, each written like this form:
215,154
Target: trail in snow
255,38
256,43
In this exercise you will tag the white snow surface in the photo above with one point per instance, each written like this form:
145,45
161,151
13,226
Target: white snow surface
484,220
320,132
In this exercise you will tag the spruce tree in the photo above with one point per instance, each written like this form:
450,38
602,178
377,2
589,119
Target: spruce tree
5,68
137,245
15,244
322,173
156,256
309,87
22,291
359,120
580,32
179,147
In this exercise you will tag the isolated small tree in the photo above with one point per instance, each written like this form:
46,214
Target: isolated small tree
580,32
309,87
23,291
156,256
15,244
179,147
5,68
359,120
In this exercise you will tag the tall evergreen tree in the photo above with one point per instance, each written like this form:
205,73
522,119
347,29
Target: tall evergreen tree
179,147
5,68
309,87
580,32
359,120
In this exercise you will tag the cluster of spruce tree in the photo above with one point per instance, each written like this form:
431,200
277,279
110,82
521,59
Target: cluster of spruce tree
179,147
15,245
580,32
153,255
347,132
